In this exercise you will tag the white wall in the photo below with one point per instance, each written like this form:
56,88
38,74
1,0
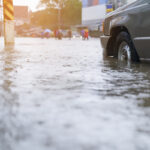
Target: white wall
130,1
93,13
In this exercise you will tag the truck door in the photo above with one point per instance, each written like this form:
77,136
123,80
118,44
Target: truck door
141,37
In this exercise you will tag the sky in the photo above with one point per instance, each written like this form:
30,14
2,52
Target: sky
31,3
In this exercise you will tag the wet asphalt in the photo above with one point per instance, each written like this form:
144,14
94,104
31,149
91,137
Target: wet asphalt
62,95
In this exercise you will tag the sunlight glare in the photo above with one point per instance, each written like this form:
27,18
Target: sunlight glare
31,3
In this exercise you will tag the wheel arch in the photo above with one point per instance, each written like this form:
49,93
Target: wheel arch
111,43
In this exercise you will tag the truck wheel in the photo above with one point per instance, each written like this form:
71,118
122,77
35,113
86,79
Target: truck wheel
125,48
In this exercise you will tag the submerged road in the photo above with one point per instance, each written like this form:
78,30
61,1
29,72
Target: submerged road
62,95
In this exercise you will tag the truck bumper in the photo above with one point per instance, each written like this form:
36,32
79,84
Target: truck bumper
104,42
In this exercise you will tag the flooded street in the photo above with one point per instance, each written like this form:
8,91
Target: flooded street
62,95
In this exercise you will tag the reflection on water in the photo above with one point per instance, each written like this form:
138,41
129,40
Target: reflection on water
130,80
61,95
8,99
7,73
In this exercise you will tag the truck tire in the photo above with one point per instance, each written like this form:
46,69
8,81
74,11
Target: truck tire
125,48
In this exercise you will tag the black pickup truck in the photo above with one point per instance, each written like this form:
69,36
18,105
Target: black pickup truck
127,32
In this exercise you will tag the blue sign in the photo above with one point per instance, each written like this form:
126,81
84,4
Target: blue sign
109,8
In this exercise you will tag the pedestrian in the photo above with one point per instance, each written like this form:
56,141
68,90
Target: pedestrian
86,34
82,34
70,34
55,34
59,34
47,33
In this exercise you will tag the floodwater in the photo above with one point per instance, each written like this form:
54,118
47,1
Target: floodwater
62,95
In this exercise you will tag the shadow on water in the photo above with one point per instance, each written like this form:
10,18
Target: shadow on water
129,80
9,124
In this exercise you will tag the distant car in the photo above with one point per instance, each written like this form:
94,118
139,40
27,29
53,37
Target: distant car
127,32
76,34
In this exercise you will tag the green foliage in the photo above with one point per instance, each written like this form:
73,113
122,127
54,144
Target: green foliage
70,13
46,18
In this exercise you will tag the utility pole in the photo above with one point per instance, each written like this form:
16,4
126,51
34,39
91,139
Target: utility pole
9,25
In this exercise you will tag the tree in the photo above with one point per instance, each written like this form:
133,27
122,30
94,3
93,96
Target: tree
70,13
46,18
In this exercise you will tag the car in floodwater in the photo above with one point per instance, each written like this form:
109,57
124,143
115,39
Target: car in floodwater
126,32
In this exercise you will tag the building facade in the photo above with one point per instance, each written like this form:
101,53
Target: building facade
87,3
115,3
22,15
94,11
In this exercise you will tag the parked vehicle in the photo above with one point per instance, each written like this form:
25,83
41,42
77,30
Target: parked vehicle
127,32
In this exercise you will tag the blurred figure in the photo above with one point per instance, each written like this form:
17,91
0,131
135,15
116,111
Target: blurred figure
55,33
42,35
47,33
70,34
59,34
82,34
86,34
